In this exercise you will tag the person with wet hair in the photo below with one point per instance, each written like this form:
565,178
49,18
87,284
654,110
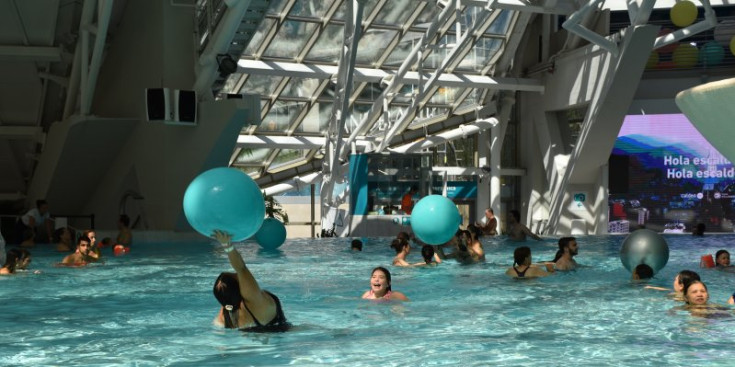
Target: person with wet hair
523,266
564,259
402,250
430,257
244,305
517,231
642,272
380,287
356,245
11,262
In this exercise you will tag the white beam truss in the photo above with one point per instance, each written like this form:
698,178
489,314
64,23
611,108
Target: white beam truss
340,110
294,184
462,132
574,25
21,132
709,22
291,142
91,67
550,7
394,83
483,20
315,71
206,71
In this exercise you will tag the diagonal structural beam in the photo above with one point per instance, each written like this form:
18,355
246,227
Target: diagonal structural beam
340,109
428,87
397,80
288,142
362,75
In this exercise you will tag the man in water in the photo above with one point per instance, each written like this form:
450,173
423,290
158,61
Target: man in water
516,230
564,259
82,255
489,224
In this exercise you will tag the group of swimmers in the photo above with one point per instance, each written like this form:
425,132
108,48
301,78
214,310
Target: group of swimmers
86,251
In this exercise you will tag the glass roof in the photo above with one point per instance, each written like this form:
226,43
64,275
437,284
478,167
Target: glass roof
310,32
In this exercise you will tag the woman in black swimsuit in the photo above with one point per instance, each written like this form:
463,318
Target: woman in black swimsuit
244,305
525,268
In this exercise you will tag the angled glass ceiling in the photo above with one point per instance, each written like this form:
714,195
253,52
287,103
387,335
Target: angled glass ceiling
309,33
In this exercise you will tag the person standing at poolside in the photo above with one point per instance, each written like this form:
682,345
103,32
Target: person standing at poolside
517,231
564,259
245,305
380,287
407,200
489,224
34,219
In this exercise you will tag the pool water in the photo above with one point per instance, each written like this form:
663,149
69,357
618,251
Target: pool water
155,307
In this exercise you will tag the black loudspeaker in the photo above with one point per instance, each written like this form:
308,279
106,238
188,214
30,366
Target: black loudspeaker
186,106
157,104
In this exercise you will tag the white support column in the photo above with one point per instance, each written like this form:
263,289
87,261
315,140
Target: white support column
331,168
496,147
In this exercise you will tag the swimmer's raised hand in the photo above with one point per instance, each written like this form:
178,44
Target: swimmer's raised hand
222,237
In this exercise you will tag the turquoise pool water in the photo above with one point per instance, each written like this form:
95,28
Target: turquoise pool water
155,308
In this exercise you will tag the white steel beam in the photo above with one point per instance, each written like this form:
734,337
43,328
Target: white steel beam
555,7
30,53
104,13
709,22
427,88
462,132
290,142
315,71
340,108
206,70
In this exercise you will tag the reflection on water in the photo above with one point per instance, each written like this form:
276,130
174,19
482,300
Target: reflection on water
155,307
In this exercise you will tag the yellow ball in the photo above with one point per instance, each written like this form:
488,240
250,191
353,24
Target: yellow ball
652,60
732,45
683,13
685,56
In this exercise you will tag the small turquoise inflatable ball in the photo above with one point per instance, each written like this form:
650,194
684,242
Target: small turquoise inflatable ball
435,219
644,246
225,199
271,235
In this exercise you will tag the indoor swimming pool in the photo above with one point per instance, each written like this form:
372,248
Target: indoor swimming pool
155,307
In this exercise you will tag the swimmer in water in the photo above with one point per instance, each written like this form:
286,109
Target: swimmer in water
682,278
245,305
430,257
525,268
402,250
380,288
517,231
82,256
696,297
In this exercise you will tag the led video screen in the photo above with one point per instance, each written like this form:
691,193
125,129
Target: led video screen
665,176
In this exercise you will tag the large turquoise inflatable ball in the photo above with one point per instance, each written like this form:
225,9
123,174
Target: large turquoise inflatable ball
225,199
644,246
435,219
271,235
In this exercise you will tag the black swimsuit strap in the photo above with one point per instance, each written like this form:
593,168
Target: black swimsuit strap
520,274
279,318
